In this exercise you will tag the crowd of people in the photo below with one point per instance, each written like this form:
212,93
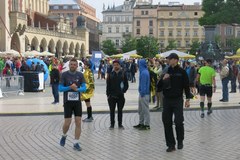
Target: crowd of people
161,81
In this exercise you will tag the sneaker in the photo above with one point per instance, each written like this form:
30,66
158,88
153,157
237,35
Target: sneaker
209,112
111,127
202,115
63,141
121,127
88,119
144,127
77,147
138,126
171,149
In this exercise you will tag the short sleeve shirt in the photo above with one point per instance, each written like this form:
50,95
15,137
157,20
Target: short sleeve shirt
206,74
68,79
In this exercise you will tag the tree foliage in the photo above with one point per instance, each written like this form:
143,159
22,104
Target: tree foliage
129,44
194,47
147,47
108,47
234,44
220,11
171,45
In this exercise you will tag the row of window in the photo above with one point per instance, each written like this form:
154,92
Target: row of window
170,13
162,45
179,33
171,33
170,23
66,7
118,19
117,29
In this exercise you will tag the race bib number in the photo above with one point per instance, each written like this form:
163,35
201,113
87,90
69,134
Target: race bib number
73,96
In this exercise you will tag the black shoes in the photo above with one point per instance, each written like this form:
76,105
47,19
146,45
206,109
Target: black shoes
222,100
138,126
171,149
121,127
202,115
209,111
144,127
180,146
111,127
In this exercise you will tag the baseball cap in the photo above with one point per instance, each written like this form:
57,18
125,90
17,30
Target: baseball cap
173,56
116,61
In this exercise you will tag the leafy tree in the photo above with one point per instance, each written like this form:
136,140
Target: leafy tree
129,44
220,11
194,47
109,47
235,44
171,45
147,47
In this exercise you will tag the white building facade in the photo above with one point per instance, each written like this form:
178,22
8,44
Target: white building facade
117,22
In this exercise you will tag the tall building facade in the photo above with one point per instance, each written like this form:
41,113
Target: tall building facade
74,8
180,23
145,20
26,26
117,22
169,22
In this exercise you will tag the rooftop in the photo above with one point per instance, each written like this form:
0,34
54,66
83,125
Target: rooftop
62,2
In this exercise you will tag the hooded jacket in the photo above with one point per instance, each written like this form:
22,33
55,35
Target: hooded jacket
144,79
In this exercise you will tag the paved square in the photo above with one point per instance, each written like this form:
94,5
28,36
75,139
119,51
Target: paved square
37,137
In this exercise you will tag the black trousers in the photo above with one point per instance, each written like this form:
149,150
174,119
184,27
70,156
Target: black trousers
170,107
112,102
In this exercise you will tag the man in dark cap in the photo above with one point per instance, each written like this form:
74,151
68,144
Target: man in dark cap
173,83
117,85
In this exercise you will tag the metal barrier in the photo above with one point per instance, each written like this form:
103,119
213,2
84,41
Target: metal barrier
12,84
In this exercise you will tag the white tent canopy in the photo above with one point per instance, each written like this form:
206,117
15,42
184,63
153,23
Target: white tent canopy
10,53
31,53
180,54
127,54
46,53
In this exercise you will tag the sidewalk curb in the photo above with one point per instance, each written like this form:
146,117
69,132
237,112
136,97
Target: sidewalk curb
104,112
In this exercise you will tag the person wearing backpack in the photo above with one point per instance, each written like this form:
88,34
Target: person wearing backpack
117,85
224,75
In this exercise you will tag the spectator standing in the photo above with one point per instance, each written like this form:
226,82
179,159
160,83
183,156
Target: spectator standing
144,97
54,81
117,85
224,73
173,83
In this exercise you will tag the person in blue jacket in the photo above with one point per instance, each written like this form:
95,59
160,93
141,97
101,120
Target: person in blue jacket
144,95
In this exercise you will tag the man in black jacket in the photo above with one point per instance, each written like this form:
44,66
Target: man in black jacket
54,81
173,83
117,85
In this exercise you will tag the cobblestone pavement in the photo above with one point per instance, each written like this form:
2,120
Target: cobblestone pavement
37,137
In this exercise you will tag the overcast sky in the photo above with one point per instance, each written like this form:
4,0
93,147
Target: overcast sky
98,4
